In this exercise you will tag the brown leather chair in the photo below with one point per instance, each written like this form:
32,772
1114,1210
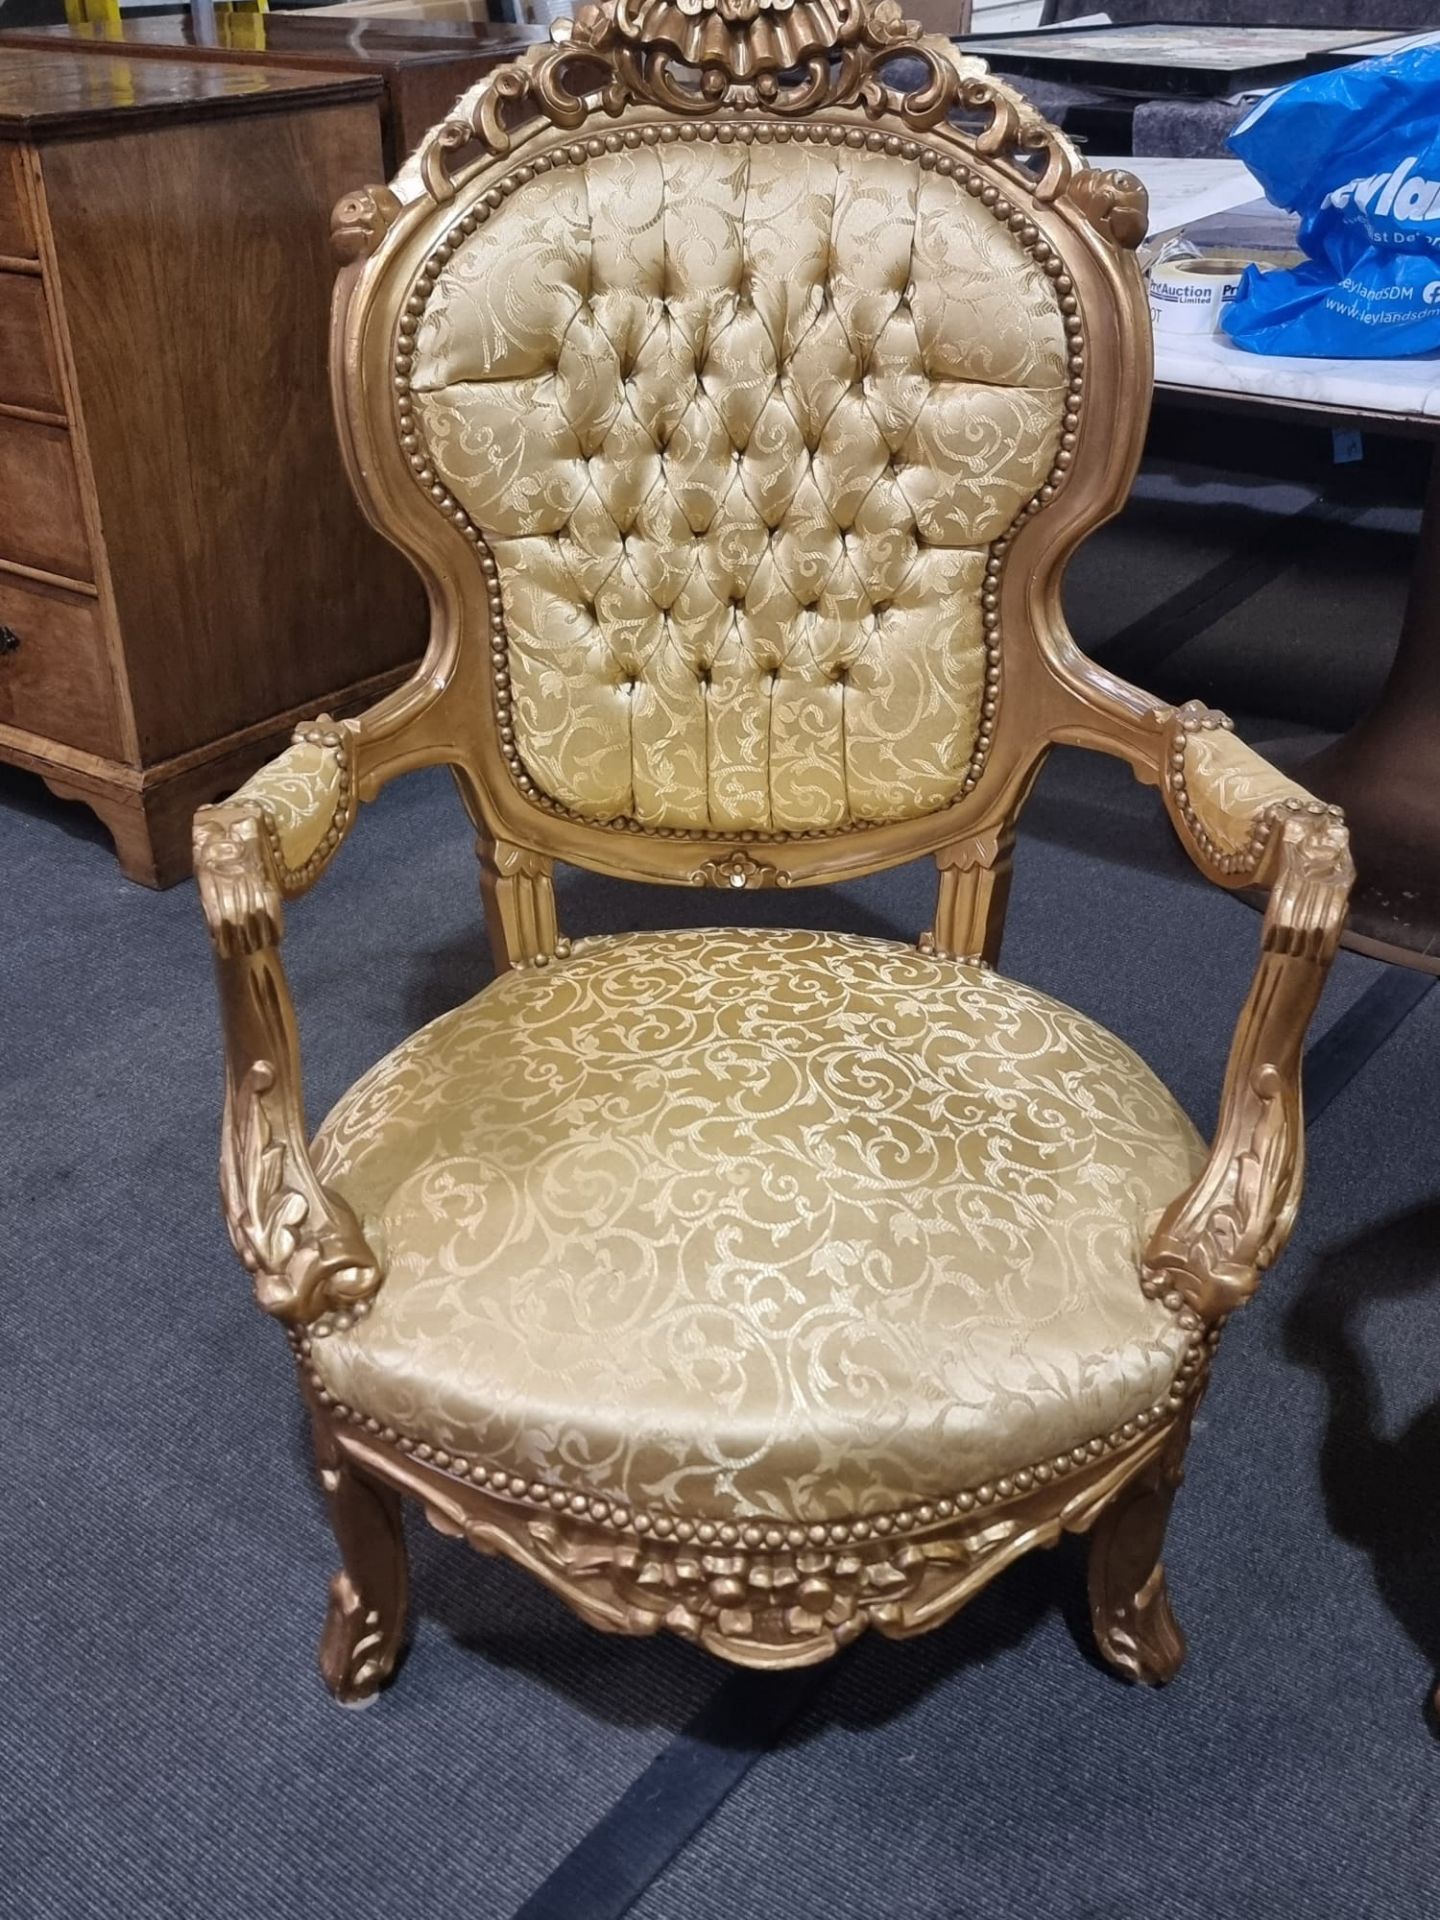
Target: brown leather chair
741,412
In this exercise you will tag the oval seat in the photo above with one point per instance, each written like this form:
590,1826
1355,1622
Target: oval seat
746,1224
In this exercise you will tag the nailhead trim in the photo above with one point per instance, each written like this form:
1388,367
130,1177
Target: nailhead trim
1267,820
618,1516
338,1319
421,461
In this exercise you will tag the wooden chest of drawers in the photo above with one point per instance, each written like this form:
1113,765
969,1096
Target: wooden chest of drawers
183,571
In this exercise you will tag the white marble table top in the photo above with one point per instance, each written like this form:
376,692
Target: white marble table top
1182,191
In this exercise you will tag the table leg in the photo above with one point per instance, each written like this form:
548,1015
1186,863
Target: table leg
1386,774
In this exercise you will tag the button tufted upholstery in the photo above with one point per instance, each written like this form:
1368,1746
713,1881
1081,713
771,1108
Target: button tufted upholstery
738,422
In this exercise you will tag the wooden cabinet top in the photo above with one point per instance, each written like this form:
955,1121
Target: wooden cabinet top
453,20
66,94
319,39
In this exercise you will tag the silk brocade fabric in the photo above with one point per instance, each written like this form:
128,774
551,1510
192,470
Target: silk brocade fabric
738,1222
738,423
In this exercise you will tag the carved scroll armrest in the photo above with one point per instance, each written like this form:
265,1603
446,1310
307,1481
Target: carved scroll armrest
1213,1243
274,836
299,1240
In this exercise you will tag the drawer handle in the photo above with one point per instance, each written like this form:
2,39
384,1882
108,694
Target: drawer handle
9,640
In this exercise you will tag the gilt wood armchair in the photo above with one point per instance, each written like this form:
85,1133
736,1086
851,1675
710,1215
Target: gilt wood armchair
741,409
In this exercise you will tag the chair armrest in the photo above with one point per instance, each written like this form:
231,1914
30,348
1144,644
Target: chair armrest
1246,824
1226,801
300,1241
295,812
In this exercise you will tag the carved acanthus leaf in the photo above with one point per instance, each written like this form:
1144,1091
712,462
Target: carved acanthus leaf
304,1249
1313,875
1213,1243
743,38
1220,1239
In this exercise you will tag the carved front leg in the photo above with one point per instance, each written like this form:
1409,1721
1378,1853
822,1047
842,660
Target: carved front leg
365,1622
1135,1627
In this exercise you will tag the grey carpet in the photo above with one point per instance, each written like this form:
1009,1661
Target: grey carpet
167,1747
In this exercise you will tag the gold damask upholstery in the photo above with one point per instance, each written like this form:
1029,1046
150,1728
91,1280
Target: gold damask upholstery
738,425
303,795
1230,787
741,406
754,1225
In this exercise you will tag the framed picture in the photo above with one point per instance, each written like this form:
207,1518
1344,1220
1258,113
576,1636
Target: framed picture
1159,57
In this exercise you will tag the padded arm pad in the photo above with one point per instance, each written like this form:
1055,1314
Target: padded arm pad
1224,798
306,797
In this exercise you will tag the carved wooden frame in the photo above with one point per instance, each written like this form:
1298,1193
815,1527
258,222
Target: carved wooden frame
642,71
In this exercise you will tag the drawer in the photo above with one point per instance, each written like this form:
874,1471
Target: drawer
54,675
29,376
41,523
17,225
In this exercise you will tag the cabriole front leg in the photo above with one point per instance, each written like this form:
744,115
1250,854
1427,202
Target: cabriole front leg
365,1622
1135,1626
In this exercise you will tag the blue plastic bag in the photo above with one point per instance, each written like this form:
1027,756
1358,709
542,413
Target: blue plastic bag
1356,152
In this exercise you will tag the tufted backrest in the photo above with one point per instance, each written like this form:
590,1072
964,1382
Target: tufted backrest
739,421
741,403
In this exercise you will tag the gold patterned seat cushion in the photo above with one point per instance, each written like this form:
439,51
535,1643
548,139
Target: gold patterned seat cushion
746,1222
